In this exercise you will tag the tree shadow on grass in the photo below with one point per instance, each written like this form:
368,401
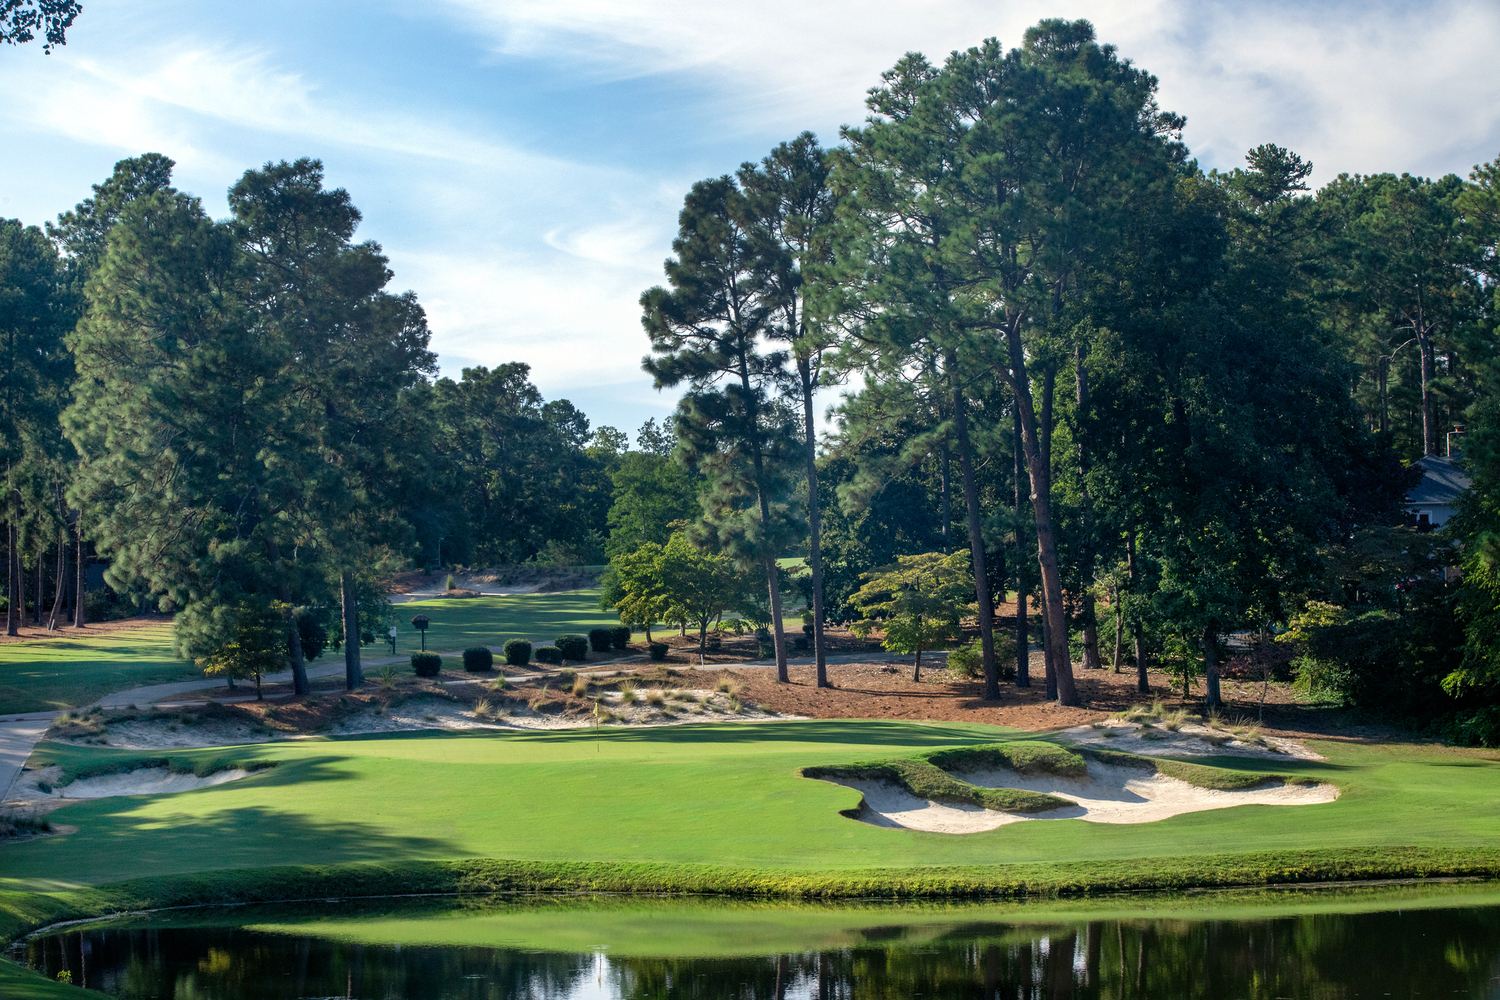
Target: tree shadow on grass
117,841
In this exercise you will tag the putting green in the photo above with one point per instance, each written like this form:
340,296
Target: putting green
720,795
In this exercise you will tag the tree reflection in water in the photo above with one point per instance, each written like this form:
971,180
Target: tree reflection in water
1446,952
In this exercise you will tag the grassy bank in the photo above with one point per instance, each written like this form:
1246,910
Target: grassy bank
727,795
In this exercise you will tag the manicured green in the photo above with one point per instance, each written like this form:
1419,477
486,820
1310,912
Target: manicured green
729,796
72,671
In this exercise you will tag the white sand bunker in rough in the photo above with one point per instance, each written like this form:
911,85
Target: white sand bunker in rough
1110,794
1189,740
142,781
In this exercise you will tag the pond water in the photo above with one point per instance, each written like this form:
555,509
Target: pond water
1432,941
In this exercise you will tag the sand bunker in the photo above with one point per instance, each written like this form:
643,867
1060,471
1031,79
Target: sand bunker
1110,794
142,781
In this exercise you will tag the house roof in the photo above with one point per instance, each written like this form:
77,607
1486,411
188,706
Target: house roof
1442,483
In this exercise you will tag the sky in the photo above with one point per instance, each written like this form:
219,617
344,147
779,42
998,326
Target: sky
523,162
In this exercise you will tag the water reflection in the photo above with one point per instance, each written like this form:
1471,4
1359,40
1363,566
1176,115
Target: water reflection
1430,953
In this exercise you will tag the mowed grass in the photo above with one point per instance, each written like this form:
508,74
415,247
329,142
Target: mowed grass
722,794
461,622
73,671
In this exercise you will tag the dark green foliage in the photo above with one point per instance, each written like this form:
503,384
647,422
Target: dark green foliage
657,651
478,658
314,634
601,640
426,664
20,20
619,637
517,652
573,647
547,654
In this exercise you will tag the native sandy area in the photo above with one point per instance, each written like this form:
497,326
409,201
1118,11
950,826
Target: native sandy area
1110,794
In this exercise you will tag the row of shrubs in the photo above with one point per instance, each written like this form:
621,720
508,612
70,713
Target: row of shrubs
520,652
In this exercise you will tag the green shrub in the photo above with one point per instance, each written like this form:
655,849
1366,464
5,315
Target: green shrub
765,650
448,584
478,658
574,647
657,651
713,642
547,654
426,664
801,642
619,636
601,639
517,652
968,660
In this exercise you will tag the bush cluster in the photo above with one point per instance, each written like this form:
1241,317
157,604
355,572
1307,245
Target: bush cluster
478,658
657,651
517,652
426,664
574,647
620,636
601,639
548,654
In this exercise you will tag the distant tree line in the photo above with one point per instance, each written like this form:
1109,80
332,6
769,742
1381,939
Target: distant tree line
1165,405
1118,381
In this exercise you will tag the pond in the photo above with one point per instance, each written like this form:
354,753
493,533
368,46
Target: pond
1364,941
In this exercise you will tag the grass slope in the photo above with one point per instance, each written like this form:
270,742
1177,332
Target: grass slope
728,797
76,671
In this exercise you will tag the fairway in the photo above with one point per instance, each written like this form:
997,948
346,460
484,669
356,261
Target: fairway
74,670
70,672
721,795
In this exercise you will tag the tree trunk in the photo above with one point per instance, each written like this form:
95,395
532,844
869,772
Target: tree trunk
814,522
1023,640
944,460
80,591
353,676
778,637
36,605
1429,429
1211,670
1049,669
1119,627
916,669
1142,682
1085,547
1049,386
18,595
294,634
62,580
12,616
986,606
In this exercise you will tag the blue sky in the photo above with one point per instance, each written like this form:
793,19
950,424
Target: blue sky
522,162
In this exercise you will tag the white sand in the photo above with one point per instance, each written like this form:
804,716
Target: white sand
1192,740
142,781
1110,794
